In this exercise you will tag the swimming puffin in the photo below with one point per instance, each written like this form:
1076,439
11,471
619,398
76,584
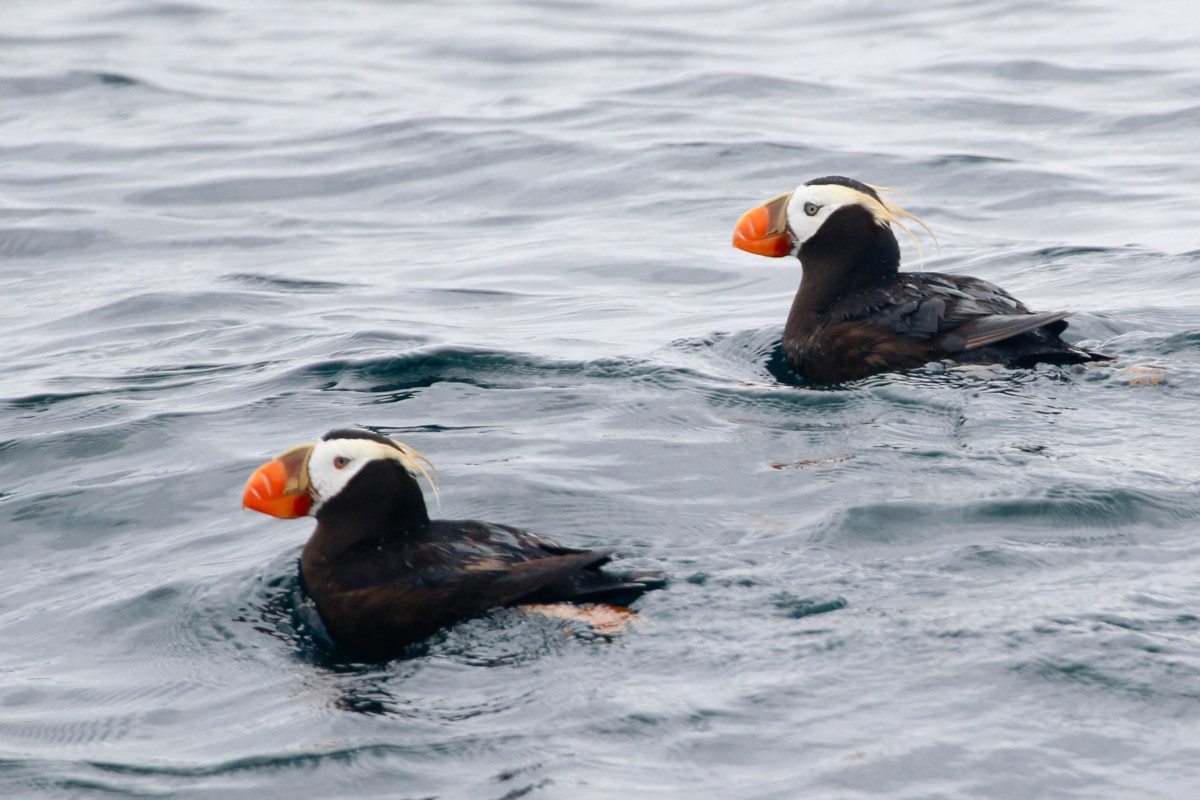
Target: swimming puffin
384,575
856,314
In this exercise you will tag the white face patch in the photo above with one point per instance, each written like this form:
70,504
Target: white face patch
825,198
334,462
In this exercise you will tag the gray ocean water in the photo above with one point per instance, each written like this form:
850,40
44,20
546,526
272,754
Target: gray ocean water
499,231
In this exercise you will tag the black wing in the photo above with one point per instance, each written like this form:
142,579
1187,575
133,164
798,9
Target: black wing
480,565
951,313
510,555
380,620
396,595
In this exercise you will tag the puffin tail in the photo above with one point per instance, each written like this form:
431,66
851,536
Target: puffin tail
1070,355
619,590
595,585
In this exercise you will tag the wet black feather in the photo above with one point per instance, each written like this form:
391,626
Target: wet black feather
383,575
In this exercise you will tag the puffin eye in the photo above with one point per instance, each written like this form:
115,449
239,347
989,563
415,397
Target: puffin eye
340,461
811,209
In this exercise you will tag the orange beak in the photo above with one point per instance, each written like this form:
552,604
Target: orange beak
280,487
763,230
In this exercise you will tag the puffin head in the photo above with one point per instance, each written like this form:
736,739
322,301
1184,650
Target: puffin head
785,224
303,480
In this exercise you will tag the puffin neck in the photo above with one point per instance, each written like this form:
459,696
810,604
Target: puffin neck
383,501
851,251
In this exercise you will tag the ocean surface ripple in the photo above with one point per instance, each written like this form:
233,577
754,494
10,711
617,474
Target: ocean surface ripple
500,232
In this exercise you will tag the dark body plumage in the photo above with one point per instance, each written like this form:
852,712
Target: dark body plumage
383,575
856,314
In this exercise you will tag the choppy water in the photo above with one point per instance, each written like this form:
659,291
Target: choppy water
500,232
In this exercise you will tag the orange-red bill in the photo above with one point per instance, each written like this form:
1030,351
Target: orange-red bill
279,487
763,230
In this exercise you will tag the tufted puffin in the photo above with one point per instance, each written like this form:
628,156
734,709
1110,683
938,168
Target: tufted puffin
856,314
384,575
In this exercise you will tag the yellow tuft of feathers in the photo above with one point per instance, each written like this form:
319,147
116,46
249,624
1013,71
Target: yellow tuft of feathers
417,464
886,212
